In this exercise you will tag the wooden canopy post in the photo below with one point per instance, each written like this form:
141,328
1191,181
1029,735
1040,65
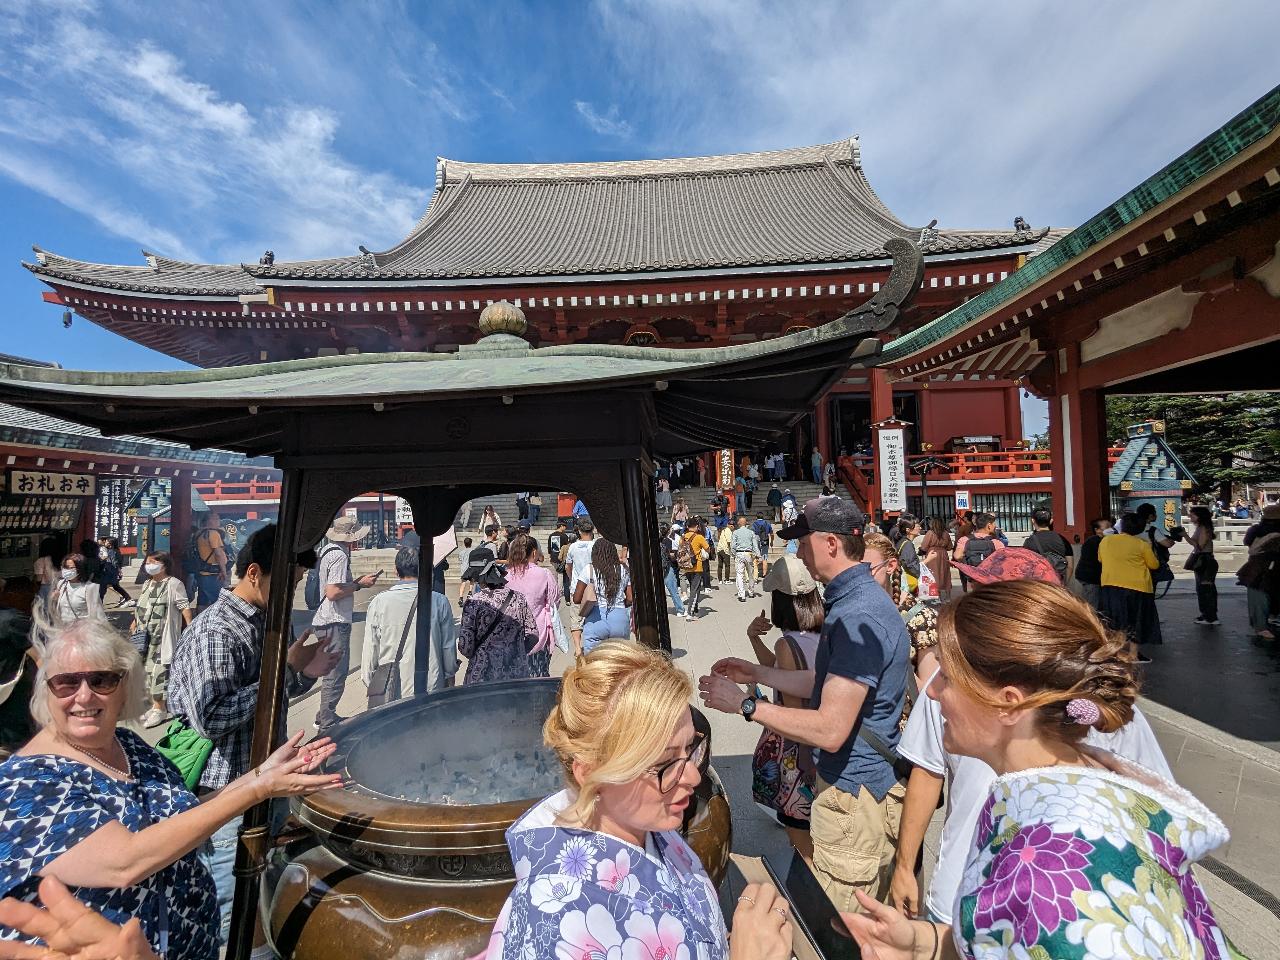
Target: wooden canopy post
654,549
420,502
639,535
269,717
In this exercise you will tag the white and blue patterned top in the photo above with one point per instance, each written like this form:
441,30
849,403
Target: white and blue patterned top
51,803
584,894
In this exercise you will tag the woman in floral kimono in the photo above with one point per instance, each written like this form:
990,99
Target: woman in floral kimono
1078,854
601,869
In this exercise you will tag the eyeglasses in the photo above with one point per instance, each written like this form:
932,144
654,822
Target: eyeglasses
875,567
100,681
669,774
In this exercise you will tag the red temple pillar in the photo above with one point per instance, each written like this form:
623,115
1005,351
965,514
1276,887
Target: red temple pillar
1012,414
180,528
822,429
881,410
881,395
1077,441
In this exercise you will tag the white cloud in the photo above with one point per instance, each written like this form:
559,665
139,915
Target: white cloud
118,220
607,124
970,113
176,163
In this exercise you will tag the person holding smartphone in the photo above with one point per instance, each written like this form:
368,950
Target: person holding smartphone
332,621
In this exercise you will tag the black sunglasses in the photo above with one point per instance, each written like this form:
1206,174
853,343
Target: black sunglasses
669,773
100,681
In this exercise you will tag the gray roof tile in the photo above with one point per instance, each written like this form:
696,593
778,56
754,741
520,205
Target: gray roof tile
807,205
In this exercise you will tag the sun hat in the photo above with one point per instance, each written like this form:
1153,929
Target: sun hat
347,530
1011,563
790,575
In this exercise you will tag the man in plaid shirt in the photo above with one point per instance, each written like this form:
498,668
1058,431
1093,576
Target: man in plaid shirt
213,686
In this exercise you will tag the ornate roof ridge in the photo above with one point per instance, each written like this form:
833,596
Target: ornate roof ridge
838,151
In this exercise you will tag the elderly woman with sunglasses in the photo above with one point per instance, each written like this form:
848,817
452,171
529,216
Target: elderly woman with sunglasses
98,809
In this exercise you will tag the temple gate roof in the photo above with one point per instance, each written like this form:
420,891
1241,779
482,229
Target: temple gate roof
807,206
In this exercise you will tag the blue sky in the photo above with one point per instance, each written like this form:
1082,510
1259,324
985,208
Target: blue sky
215,131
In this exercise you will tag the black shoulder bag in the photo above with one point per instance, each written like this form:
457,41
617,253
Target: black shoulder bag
384,685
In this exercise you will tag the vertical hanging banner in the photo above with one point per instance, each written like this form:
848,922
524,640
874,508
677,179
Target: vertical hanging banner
724,470
893,469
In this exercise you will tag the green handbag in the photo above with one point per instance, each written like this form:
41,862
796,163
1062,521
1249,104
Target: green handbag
186,750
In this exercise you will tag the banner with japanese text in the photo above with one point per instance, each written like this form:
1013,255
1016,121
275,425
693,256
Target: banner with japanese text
892,467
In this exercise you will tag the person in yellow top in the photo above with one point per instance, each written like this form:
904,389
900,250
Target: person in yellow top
1127,597
693,564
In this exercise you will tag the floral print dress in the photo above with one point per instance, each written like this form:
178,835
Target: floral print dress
582,895
1075,863
51,803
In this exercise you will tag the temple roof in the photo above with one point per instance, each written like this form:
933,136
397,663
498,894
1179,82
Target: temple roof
803,206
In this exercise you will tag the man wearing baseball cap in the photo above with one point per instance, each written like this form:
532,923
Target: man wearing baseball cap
856,694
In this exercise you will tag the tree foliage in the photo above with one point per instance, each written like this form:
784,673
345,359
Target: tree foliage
1224,440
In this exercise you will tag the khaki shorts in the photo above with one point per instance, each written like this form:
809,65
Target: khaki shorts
854,840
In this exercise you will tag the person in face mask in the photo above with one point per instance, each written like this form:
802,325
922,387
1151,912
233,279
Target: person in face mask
162,611
74,596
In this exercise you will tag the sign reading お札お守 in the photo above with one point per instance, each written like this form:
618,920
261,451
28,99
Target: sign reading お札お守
40,482
893,470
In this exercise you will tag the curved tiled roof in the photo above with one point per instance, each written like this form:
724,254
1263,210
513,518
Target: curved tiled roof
160,275
808,205
803,206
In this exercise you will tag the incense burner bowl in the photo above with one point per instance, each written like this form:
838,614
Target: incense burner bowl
411,859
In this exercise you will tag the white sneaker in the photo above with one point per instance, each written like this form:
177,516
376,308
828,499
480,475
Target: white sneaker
155,716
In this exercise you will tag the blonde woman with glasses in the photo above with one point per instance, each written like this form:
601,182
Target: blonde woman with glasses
601,868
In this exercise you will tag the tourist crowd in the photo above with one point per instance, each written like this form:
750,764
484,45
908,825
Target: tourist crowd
1063,828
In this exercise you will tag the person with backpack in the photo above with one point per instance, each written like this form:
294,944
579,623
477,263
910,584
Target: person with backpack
670,536
1054,547
904,543
558,542
1161,540
763,530
332,620
209,556
975,546
1088,569
691,556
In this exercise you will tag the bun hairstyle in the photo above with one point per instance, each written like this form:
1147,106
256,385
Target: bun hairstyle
1041,639
617,708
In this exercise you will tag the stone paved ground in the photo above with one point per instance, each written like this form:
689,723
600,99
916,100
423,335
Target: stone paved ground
1212,696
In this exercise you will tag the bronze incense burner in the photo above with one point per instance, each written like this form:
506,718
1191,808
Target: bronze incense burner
411,859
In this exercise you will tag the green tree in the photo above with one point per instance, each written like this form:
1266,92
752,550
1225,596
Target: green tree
1224,440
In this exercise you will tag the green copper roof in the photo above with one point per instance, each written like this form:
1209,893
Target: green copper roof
1246,128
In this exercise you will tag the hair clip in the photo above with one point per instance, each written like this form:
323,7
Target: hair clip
1084,711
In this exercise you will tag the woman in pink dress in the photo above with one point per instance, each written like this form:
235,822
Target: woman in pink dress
538,585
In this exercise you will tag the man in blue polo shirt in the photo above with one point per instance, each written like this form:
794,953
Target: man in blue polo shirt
855,693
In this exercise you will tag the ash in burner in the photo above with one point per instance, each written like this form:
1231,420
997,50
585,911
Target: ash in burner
491,778
479,746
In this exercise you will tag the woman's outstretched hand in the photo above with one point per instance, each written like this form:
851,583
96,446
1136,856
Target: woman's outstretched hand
882,933
69,929
289,771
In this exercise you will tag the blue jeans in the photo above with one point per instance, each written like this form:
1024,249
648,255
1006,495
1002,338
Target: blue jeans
219,857
673,589
208,586
597,628
817,475
534,511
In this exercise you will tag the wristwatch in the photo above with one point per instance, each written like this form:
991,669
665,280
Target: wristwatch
748,709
